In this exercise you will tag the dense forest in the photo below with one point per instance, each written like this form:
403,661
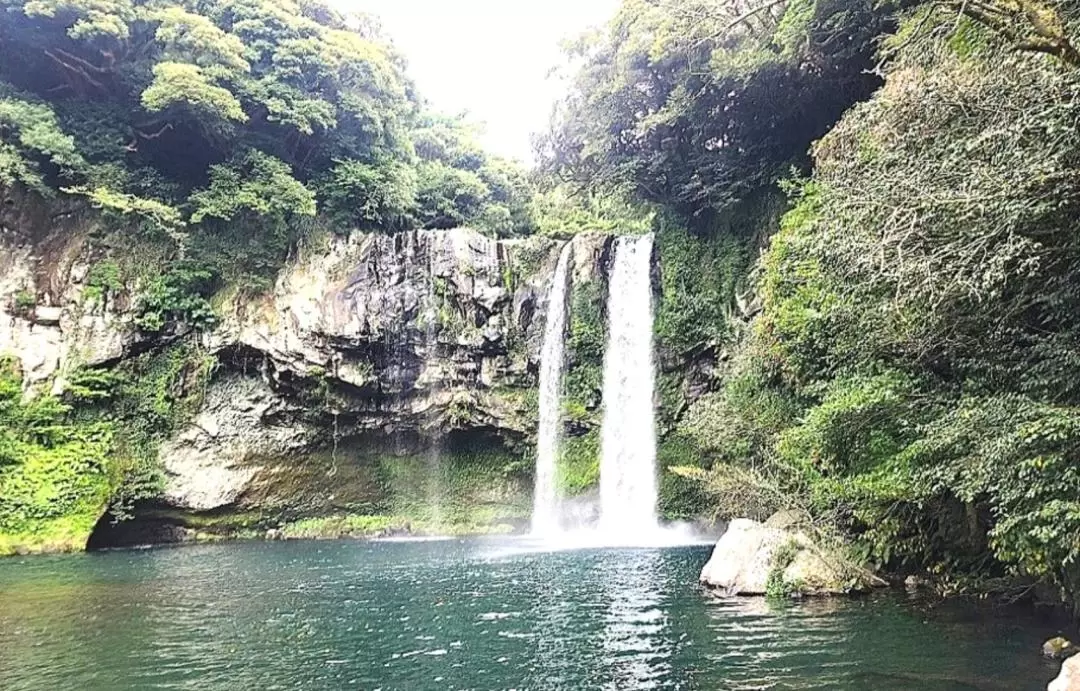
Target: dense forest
865,214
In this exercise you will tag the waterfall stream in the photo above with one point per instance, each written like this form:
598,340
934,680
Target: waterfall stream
545,517
628,484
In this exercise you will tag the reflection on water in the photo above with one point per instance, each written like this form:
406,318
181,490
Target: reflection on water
480,614
636,645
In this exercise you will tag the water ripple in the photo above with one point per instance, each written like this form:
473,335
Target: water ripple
479,614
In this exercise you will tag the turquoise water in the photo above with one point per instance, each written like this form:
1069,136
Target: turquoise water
472,614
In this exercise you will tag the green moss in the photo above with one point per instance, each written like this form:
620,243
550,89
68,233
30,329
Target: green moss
371,526
456,491
67,533
776,585
56,472
669,386
682,497
138,405
583,380
345,525
104,279
578,470
24,302
529,256
509,278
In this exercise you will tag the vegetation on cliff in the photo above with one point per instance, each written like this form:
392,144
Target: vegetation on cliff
899,361
215,139
223,128
67,459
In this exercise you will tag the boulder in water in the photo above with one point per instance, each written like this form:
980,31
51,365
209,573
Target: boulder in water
756,559
1069,678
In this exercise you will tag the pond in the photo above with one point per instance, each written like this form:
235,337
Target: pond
473,614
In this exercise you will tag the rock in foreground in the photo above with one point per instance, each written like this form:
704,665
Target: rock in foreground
756,559
1069,679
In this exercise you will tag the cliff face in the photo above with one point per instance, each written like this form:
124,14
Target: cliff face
48,323
371,347
389,375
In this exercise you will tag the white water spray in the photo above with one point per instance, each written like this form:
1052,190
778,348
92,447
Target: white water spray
545,518
628,484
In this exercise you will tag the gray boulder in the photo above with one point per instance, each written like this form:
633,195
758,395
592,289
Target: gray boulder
1069,678
756,559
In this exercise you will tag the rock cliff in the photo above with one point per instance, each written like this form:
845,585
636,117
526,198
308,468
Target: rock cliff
383,374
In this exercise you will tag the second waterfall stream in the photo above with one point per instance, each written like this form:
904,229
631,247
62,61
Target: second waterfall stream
545,517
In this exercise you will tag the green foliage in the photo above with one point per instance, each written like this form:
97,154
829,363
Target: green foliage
584,348
908,378
682,496
181,85
24,303
700,278
644,109
194,38
215,131
103,280
91,385
346,525
154,217
899,362
254,185
380,195
458,184
30,135
143,401
180,295
578,469
561,213
55,473
448,197
776,585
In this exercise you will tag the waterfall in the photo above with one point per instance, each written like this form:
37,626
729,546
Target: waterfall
433,485
545,518
628,484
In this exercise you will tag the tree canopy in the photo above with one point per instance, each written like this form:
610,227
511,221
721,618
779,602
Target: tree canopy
231,122
694,104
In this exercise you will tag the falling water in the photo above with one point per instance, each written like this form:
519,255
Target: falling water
628,484
545,519
435,305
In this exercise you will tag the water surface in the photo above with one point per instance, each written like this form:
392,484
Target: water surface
471,614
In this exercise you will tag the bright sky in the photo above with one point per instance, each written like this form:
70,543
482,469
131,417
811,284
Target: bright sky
487,57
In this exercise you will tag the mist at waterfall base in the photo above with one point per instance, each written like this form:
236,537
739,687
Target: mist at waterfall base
627,511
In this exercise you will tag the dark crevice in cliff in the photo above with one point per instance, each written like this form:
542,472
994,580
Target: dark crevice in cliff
148,525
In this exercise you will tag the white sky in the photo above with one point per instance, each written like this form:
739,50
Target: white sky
487,57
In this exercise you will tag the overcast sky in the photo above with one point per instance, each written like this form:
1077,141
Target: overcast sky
487,57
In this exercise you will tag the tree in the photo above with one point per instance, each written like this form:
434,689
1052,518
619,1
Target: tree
695,104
